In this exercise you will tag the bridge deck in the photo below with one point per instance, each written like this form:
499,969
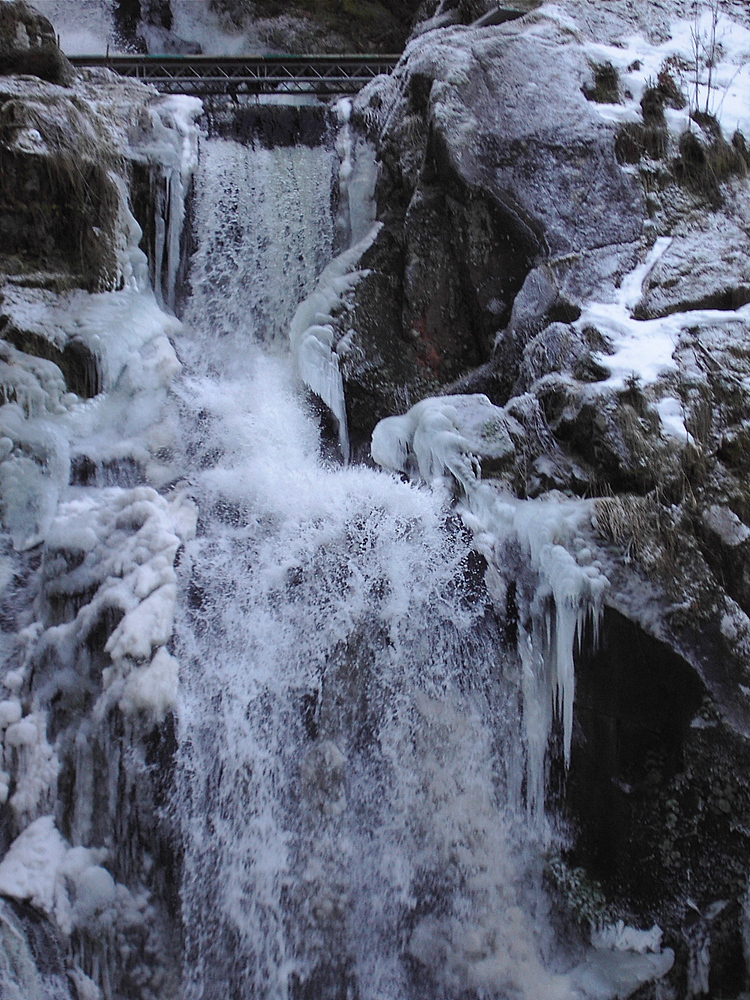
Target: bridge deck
204,76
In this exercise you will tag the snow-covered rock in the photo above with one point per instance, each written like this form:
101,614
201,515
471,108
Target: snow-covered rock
707,268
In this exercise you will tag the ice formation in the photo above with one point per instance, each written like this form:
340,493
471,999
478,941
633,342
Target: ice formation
96,630
335,665
171,148
358,173
449,436
111,552
124,333
312,334
68,884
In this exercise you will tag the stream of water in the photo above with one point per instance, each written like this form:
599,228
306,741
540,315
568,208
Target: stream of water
350,764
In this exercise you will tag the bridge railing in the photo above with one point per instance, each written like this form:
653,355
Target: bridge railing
203,76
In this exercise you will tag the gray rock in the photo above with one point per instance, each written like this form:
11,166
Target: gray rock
560,347
28,44
514,121
725,527
538,295
704,269
727,548
501,190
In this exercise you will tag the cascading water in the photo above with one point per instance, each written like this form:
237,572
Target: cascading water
348,754
351,763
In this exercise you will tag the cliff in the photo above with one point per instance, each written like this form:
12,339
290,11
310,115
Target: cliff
565,205
552,318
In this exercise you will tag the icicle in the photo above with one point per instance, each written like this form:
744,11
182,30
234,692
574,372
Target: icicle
442,436
537,721
160,229
172,152
312,343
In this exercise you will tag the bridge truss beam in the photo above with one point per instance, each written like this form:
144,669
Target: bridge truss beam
205,76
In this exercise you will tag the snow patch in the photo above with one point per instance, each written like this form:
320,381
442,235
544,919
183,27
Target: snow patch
672,415
644,349
639,63
29,869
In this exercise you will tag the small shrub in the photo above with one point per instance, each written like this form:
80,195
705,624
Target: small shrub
634,141
606,88
708,159
664,93
625,520
652,106
740,144
672,96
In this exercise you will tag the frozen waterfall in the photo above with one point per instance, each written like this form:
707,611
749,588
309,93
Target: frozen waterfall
351,760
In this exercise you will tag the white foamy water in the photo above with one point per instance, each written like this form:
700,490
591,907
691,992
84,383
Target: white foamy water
266,233
351,764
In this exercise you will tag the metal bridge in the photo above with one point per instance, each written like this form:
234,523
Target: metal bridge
235,76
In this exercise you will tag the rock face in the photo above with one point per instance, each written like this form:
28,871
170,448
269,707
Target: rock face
704,268
482,178
557,231
28,44
59,208
328,26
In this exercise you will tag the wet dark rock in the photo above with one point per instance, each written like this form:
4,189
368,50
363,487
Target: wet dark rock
52,226
659,794
79,366
442,281
59,203
125,472
324,25
270,125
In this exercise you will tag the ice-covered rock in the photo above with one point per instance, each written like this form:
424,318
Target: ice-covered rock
86,362
456,435
112,554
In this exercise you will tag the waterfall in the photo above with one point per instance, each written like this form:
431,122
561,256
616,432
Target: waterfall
260,216
351,771
344,696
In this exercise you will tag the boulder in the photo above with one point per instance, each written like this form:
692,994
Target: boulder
706,268
28,45
504,202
